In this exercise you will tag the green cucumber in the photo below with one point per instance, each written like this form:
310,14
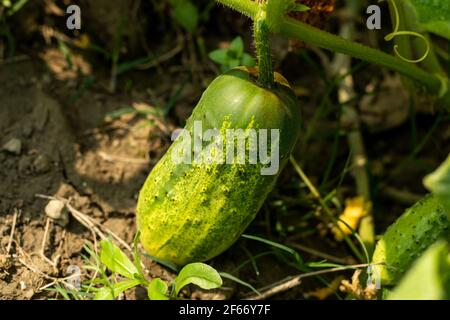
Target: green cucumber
428,278
191,212
408,237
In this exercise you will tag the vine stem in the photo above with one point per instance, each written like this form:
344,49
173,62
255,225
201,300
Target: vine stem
306,33
262,44
292,28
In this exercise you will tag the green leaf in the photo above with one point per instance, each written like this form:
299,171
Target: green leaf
157,290
115,260
6,3
186,14
438,182
324,264
137,260
219,56
165,263
297,7
116,114
237,280
16,7
107,293
433,15
128,65
247,60
233,63
237,46
428,278
276,245
200,274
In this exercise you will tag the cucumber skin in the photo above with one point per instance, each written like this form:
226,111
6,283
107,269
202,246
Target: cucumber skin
193,212
409,236
428,278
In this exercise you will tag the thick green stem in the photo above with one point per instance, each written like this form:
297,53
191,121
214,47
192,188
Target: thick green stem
298,30
262,44
246,7
320,38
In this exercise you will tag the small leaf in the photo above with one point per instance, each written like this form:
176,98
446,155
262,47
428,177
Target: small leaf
219,56
233,63
107,293
298,7
157,290
200,274
16,7
115,260
438,182
247,60
186,14
237,46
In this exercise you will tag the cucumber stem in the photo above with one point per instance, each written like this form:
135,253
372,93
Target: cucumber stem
292,28
262,45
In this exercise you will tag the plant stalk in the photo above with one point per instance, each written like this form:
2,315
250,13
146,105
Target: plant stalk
294,29
342,66
262,44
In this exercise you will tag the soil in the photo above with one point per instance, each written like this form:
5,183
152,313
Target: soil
99,168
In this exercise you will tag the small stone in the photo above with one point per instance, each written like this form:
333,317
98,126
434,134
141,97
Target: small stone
57,211
14,146
41,164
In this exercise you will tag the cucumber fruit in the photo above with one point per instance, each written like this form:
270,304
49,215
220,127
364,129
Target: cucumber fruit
428,278
192,212
408,237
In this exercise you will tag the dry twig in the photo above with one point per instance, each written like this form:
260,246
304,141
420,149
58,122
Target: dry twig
13,229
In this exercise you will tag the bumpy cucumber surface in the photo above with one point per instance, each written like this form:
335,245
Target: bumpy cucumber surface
428,278
193,212
409,236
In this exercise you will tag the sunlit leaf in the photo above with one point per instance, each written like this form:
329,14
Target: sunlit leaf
107,293
438,182
115,260
157,290
199,274
433,15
